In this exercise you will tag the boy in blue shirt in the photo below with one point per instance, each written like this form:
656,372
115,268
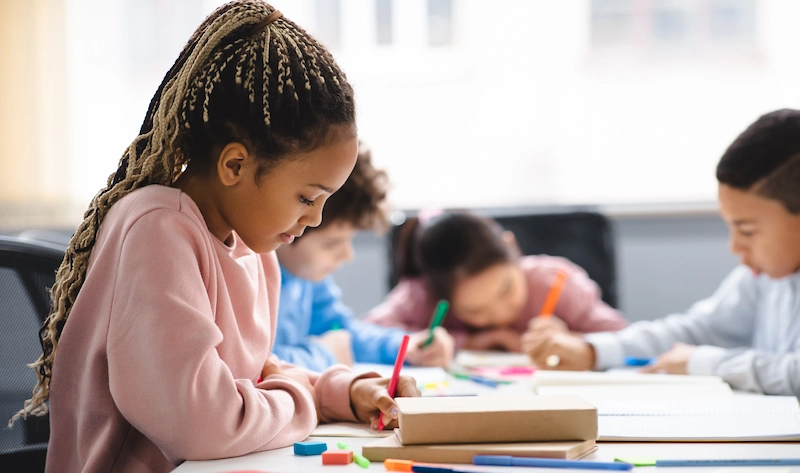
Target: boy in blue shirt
748,331
315,328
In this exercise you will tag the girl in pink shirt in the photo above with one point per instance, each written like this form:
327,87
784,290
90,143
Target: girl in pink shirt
157,349
495,294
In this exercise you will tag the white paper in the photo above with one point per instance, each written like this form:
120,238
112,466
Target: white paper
424,375
348,429
561,378
479,359
598,392
734,418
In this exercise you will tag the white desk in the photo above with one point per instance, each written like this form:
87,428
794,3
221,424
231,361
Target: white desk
285,461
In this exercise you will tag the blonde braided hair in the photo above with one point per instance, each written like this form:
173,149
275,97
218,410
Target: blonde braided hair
234,81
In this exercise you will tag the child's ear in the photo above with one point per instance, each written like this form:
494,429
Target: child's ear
230,163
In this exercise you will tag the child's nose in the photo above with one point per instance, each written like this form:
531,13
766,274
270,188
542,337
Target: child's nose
736,246
313,217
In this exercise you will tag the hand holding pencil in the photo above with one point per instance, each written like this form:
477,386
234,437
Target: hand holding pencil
372,398
548,341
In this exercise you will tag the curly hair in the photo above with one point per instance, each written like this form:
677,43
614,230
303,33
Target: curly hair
361,201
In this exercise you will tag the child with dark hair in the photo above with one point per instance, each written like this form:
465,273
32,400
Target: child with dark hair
748,331
164,308
495,294
315,328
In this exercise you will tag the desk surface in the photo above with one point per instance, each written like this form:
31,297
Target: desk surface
285,461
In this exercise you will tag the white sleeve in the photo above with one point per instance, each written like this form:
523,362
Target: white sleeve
723,320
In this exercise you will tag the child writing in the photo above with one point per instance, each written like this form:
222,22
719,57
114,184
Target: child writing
495,293
315,328
748,331
157,349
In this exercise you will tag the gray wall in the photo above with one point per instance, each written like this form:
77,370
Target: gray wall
665,262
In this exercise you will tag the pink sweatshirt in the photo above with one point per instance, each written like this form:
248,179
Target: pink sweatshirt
159,360
410,305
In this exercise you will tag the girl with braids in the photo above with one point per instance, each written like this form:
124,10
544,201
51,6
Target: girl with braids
157,349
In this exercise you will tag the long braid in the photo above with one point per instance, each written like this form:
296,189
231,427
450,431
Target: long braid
188,115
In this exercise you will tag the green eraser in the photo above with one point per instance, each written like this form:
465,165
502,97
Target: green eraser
360,461
637,461
342,446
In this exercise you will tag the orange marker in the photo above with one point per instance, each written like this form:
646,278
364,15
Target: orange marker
397,465
555,292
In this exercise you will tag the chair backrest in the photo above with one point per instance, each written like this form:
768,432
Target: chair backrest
583,237
27,271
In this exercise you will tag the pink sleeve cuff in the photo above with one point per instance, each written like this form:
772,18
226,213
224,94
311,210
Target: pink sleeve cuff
333,393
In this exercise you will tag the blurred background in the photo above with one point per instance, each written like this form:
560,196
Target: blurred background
617,106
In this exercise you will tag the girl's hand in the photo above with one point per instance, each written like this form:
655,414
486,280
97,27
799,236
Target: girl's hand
540,324
675,361
340,343
369,397
573,352
495,339
438,353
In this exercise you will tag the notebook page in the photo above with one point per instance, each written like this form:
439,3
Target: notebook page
598,392
744,427
560,378
733,418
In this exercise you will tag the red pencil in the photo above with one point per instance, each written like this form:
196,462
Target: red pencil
398,363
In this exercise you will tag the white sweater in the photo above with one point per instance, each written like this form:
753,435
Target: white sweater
748,333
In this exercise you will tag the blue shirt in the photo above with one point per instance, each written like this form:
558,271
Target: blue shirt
307,309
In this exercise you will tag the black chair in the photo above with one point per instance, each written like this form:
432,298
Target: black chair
583,237
27,271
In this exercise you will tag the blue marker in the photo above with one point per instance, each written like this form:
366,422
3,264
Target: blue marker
506,460
485,381
633,361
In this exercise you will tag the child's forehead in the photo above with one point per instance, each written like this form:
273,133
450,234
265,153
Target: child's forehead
748,205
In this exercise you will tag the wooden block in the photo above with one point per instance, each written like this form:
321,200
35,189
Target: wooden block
309,448
337,457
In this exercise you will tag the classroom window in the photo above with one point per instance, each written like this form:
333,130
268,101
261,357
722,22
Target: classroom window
440,22
328,16
383,22
684,26
732,20
611,21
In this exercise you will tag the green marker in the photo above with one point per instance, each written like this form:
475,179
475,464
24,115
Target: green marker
438,317
357,459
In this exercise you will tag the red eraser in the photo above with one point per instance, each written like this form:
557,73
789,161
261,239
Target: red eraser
337,457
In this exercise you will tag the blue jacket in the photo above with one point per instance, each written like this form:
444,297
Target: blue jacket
308,308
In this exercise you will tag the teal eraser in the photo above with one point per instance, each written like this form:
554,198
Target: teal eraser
309,448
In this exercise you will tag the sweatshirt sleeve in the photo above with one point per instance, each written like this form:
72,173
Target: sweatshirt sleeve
719,324
371,343
165,373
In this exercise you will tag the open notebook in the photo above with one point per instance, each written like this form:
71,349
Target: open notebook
618,377
734,418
